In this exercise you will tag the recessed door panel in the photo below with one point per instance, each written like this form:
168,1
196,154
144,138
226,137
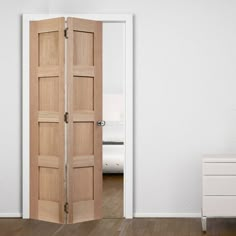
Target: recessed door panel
48,48
83,94
49,184
49,139
49,94
83,190
83,138
83,48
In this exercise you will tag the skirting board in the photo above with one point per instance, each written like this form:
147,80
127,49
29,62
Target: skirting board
167,215
10,215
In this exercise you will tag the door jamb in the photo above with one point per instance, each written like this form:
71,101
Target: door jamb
128,164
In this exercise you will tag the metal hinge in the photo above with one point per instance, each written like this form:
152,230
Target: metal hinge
66,33
66,117
66,208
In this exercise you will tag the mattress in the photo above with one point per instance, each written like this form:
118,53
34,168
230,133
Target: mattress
113,157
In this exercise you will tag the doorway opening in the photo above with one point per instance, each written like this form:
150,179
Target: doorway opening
113,114
127,20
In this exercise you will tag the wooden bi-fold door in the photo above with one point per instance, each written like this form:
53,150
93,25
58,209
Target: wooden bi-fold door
65,141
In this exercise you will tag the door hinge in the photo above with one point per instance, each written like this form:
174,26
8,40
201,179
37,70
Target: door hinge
66,208
66,117
66,33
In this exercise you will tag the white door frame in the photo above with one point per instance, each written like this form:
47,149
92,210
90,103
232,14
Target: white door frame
128,165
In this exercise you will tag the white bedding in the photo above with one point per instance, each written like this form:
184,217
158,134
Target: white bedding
113,158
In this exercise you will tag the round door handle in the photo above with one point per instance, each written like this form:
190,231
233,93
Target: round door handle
101,123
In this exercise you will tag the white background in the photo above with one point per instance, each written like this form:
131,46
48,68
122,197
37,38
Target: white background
184,93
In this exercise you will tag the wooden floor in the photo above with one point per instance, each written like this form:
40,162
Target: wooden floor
121,227
112,196
113,208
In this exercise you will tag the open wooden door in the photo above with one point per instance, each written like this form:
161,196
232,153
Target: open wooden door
47,49
56,195
84,74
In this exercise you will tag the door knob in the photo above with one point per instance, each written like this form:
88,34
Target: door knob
101,123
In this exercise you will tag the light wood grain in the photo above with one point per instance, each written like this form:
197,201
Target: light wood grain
83,161
49,211
83,189
48,161
84,68
84,116
83,48
98,116
46,120
49,48
49,94
33,121
83,94
84,71
49,184
83,25
83,211
48,117
49,25
49,139
48,71
83,143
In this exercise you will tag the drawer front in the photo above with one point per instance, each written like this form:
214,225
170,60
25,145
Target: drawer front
219,206
219,169
219,185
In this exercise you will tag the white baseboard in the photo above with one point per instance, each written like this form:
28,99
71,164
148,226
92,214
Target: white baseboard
10,215
167,215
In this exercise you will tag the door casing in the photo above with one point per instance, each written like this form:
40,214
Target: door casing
127,19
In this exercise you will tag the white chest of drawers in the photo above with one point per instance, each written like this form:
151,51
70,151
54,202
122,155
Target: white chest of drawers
219,187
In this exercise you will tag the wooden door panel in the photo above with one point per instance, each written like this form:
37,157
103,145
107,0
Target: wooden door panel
49,183
84,70
83,93
48,139
83,138
49,94
83,189
83,48
48,48
48,211
46,120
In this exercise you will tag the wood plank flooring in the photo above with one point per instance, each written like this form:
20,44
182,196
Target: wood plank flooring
119,227
113,208
112,196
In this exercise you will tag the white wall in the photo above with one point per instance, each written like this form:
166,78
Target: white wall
185,99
